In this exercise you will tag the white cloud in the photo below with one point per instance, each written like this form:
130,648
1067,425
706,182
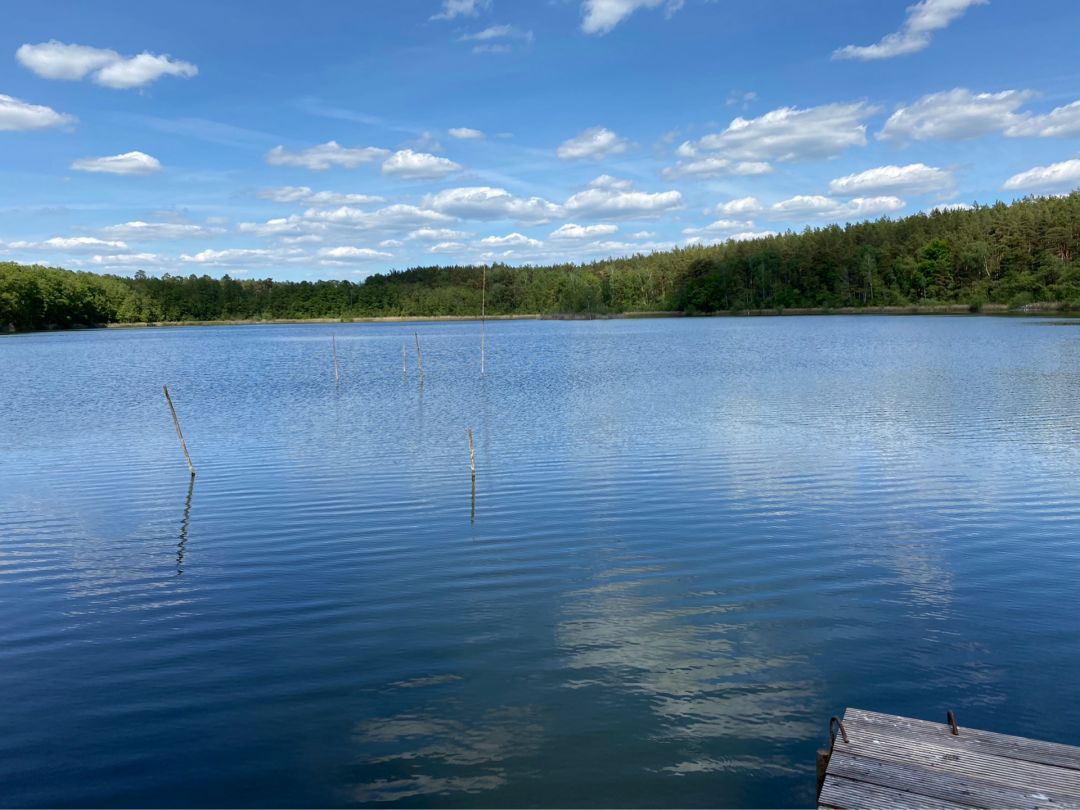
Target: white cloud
922,20
953,206
955,115
1062,122
715,167
127,163
465,133
741,236
643,235
138,231
68,243
316,223
1062,175
392,217
572,231
19,116
485,202
720,226
348,253
600,16
322,157
124,260
789,134
446,247
743,205
461,8
419,165
915,178
817,206
497,32
593,143
241,256
496,38
57,60
437,234
391,243
511,240
609,198
303,194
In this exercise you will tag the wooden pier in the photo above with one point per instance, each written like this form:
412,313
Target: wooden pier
884,761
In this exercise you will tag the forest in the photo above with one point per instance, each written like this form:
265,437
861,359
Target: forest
1015,254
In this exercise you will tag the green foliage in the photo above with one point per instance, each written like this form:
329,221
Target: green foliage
1015,254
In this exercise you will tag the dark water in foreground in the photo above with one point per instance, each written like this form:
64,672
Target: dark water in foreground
694,540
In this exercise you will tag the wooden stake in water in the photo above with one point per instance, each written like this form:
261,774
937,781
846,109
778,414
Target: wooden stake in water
419,357
404,367
483,318
176,423
333,348
472,454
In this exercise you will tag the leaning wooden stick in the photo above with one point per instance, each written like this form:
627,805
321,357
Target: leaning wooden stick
419,356
176,423
333,348
483,318
472,454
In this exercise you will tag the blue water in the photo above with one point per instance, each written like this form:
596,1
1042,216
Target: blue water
691,541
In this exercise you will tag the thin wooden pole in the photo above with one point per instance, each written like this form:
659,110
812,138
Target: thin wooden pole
483,318
419,356
472,454
404,367
179,433
333,348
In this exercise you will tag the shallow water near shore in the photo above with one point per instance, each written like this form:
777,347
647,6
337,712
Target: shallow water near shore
690,542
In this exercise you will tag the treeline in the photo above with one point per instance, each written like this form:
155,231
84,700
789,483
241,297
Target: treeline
1016,254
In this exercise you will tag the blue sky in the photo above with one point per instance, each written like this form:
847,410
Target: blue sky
337,139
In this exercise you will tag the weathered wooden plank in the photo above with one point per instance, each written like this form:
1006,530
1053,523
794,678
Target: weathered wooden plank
1030,776
967,790
844,793
1046,753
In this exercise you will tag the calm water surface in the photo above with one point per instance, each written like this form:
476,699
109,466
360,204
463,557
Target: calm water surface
691,542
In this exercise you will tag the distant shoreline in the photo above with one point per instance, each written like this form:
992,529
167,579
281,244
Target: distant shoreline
997,310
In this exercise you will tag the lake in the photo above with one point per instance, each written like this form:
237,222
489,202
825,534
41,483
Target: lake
691,542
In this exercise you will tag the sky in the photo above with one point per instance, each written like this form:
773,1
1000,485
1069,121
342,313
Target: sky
339,139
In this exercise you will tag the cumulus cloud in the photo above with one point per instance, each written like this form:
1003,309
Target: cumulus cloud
465,133
955,114
608,198
727,226
915,178
788,134
306,196
68,244
922,20
1062,122
742,205
139,231
322,157
572,231
316,223
349,253
594,143
705,167
419,165
1056,176
461,8
511,240
19,116
57,60
485,202
437,234
127,163
600,16
446,247
819,207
